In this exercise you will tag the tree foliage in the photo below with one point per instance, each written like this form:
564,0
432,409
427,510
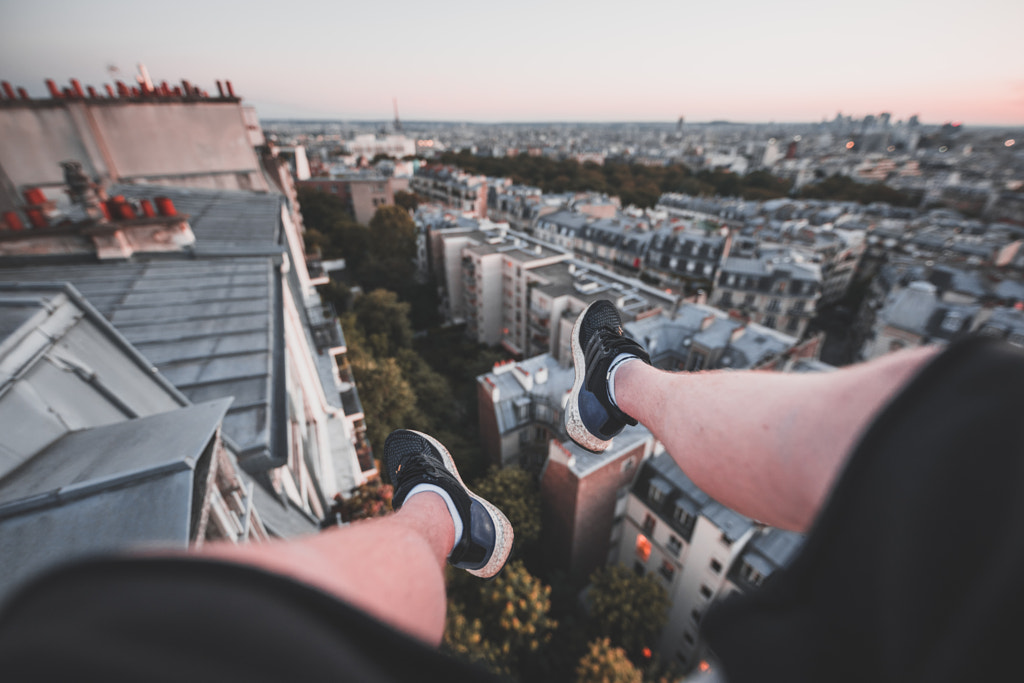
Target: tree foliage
637,184
384,321
604,663
506,619
629,609
517,494
407,200
846,189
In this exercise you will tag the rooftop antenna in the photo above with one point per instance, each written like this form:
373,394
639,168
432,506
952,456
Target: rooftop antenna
398,123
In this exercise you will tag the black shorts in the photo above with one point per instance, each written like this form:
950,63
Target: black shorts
914,570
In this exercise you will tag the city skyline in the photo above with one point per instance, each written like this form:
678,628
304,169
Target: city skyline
745,62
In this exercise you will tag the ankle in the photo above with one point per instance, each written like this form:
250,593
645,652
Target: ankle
453,512
617,364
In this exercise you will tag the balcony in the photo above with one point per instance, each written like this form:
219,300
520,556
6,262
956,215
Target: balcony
325,328
315,268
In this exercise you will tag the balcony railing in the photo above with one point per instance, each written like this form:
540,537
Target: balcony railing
325,328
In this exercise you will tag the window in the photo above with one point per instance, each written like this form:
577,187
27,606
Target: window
705,592
688,637
681,515
751,574
674,545
952,321
716,566
649,524
643,547
667,570
769,321
695,615
628,464
655,493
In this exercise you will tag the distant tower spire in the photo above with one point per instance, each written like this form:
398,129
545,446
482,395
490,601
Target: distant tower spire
398,123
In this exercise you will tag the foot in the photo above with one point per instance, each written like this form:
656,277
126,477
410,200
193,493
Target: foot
412,459
591,416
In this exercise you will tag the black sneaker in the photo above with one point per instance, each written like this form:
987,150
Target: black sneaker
413,458
591,419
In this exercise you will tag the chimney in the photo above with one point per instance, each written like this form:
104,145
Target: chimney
8,90
109,89
77,88
52,87
36,217
231,91
220,90
165,206
92,92
23,94
147,208
707,321
34,196
12,221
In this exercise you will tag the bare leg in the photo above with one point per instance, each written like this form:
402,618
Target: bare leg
767,444
390,567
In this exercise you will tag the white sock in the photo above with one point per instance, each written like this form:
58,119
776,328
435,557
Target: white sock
456,519
619,361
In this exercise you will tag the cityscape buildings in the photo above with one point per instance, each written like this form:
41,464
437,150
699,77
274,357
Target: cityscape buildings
161,335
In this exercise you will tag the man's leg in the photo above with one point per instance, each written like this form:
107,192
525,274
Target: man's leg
392,567
767,444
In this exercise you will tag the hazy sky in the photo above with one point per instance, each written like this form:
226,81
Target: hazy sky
637,60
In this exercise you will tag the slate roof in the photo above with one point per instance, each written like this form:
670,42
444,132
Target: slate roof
104,489
209,319
207,325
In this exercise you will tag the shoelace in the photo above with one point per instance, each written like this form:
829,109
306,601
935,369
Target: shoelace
413,466
604,339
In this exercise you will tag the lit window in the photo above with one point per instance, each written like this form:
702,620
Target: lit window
643,547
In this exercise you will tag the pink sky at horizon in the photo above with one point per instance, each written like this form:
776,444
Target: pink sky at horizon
792,61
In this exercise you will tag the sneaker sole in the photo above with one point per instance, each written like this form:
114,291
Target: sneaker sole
573,421
503,533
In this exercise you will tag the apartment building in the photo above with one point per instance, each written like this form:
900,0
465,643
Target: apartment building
455,189
497,276
361,192
211,286
698,549
779,289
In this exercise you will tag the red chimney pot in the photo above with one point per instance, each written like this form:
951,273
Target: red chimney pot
52,87
8,90
36,217
165,206
12,221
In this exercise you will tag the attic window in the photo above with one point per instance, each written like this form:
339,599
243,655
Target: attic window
953,321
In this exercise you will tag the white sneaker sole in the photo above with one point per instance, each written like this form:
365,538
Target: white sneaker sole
573,421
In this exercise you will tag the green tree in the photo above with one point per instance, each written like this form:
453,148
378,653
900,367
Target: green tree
388,401
516,494
384,321
606,664
629,609
512,611
464,638
407,200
